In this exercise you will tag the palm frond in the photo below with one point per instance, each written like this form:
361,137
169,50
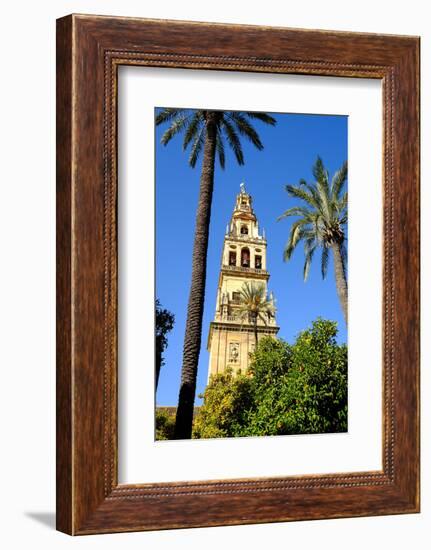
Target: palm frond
167,114
342,203
315,193
245,128
220,148
263,117
295,211
324,263
233,140
261,316
319,172
301,193
309,249
175,128
197,146
253,299
338,182
192,128
322,186
298,230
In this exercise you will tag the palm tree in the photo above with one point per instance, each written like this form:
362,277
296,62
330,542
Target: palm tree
205,132
254,305
321,224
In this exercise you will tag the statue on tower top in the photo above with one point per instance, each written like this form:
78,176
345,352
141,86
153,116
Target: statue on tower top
242,188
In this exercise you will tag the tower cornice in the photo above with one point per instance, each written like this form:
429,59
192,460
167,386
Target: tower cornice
248,272
244,239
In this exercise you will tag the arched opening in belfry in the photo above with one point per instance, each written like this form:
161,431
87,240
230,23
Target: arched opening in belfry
244,230
258,262
245,257
232,258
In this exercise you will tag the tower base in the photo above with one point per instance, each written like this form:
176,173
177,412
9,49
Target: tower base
230,345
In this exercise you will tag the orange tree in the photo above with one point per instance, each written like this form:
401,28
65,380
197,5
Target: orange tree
289,389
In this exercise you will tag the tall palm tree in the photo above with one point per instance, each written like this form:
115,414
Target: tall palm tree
205,132
321,224
254,305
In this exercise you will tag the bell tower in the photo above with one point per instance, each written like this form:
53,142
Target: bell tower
231,338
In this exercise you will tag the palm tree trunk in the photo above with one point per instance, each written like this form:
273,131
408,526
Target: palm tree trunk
193,332
340,278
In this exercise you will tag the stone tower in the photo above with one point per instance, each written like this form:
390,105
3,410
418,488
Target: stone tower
231,339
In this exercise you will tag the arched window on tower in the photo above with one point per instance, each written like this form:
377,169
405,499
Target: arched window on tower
232,258
258,262
245,257
244,230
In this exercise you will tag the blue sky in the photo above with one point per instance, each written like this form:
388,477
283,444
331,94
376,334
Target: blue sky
290,149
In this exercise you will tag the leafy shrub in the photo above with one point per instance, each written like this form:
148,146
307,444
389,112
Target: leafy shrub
165,424
226,400
289,389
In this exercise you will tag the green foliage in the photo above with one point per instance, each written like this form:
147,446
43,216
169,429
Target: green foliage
226,400
289,389
164,324
165,424
305,391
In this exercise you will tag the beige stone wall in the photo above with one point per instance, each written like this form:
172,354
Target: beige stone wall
222,341
234,284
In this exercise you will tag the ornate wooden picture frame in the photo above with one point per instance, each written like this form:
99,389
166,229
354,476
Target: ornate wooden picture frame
89,51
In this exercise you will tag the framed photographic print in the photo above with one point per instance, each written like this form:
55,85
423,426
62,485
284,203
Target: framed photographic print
237,274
